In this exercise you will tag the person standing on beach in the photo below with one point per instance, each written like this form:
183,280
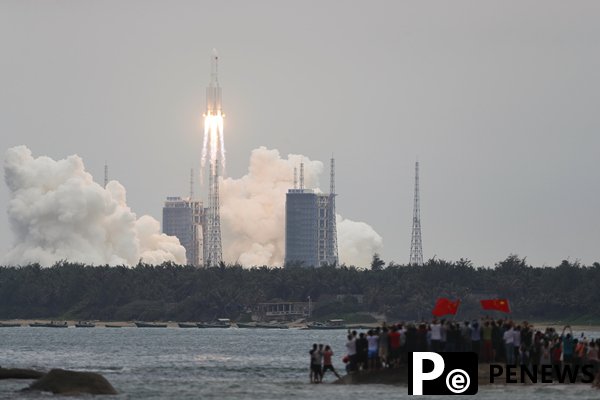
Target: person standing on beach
315,364
436,335
509,340
568,345
321,355
383,346
351,352
373,348
362,351
327,363
488,349
394,350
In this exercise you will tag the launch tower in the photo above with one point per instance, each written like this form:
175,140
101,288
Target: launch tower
214,150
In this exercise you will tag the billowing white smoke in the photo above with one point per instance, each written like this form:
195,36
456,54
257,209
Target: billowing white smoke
57,212
253,213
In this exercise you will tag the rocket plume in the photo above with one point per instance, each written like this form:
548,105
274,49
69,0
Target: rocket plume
213,147
253,213
214,142
57,212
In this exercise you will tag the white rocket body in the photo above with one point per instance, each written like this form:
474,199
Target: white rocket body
213,91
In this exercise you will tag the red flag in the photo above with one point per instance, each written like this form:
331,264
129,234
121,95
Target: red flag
443,306
496,304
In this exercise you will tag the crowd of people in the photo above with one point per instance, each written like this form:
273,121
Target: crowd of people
494,341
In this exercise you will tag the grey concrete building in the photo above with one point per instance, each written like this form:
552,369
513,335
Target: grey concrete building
184,218
308,234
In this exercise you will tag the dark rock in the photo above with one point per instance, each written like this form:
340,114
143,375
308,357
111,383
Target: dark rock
60,381
391,376
18,373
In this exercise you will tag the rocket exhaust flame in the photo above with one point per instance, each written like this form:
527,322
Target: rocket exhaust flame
214,141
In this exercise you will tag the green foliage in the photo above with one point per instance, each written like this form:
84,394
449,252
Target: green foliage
170,292
377,263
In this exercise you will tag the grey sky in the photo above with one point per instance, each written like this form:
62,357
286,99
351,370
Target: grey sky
498,100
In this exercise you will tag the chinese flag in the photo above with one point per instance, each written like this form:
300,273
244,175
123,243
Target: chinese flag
443,306
495,304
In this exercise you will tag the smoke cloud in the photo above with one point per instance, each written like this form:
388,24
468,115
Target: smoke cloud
57,212
253,213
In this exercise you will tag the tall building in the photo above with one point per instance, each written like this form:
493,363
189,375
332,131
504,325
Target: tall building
310,231
184,219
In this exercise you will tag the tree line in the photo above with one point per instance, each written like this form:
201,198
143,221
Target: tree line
567,292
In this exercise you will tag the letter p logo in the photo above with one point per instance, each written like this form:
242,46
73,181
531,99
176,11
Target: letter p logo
418,376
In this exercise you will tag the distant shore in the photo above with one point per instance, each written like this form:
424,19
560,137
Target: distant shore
174,324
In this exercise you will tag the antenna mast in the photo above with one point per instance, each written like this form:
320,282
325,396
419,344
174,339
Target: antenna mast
105,174
416,246
191,183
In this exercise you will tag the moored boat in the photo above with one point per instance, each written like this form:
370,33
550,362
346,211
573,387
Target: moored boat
9,325
250,325
85,324
141,324
272,326
331,324
187,325
51,324
112,326
219,323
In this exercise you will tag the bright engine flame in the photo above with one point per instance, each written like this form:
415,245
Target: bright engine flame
214,141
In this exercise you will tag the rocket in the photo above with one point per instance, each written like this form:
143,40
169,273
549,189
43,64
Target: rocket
213,91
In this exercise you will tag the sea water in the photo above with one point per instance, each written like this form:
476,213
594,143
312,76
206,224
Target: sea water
176,363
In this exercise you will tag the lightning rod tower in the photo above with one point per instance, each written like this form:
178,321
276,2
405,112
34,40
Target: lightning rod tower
416,245
295,178
332,250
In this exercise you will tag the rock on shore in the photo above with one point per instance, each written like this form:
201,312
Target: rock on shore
19,373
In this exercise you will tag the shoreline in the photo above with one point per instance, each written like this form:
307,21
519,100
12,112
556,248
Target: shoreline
579,328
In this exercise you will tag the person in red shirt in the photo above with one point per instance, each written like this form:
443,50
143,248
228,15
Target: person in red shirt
394,338
327,364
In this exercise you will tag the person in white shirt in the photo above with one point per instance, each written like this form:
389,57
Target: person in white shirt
351,351
517,343
373,348
436,335
509,340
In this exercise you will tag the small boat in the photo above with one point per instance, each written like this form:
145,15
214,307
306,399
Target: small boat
112,326
51,324
8,325
149,325
220,323
251,325
331,324
85,324
187,325
272,326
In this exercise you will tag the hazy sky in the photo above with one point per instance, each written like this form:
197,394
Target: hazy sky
497,99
